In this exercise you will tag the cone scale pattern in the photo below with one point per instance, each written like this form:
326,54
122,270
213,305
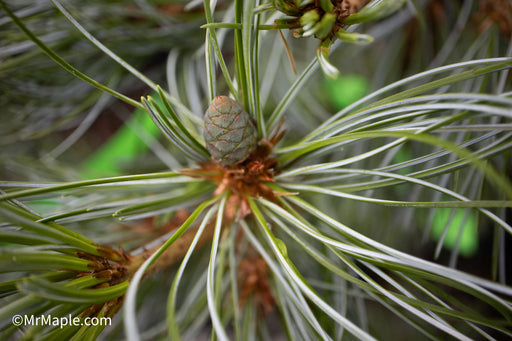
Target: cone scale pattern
229,131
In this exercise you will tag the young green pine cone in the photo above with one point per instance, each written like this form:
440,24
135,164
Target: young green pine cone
229,131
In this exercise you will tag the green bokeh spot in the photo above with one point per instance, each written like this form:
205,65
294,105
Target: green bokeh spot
346,89
123,147
469,239
402,155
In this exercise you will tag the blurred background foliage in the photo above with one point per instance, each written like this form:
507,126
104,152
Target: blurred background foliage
48,109
58,128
